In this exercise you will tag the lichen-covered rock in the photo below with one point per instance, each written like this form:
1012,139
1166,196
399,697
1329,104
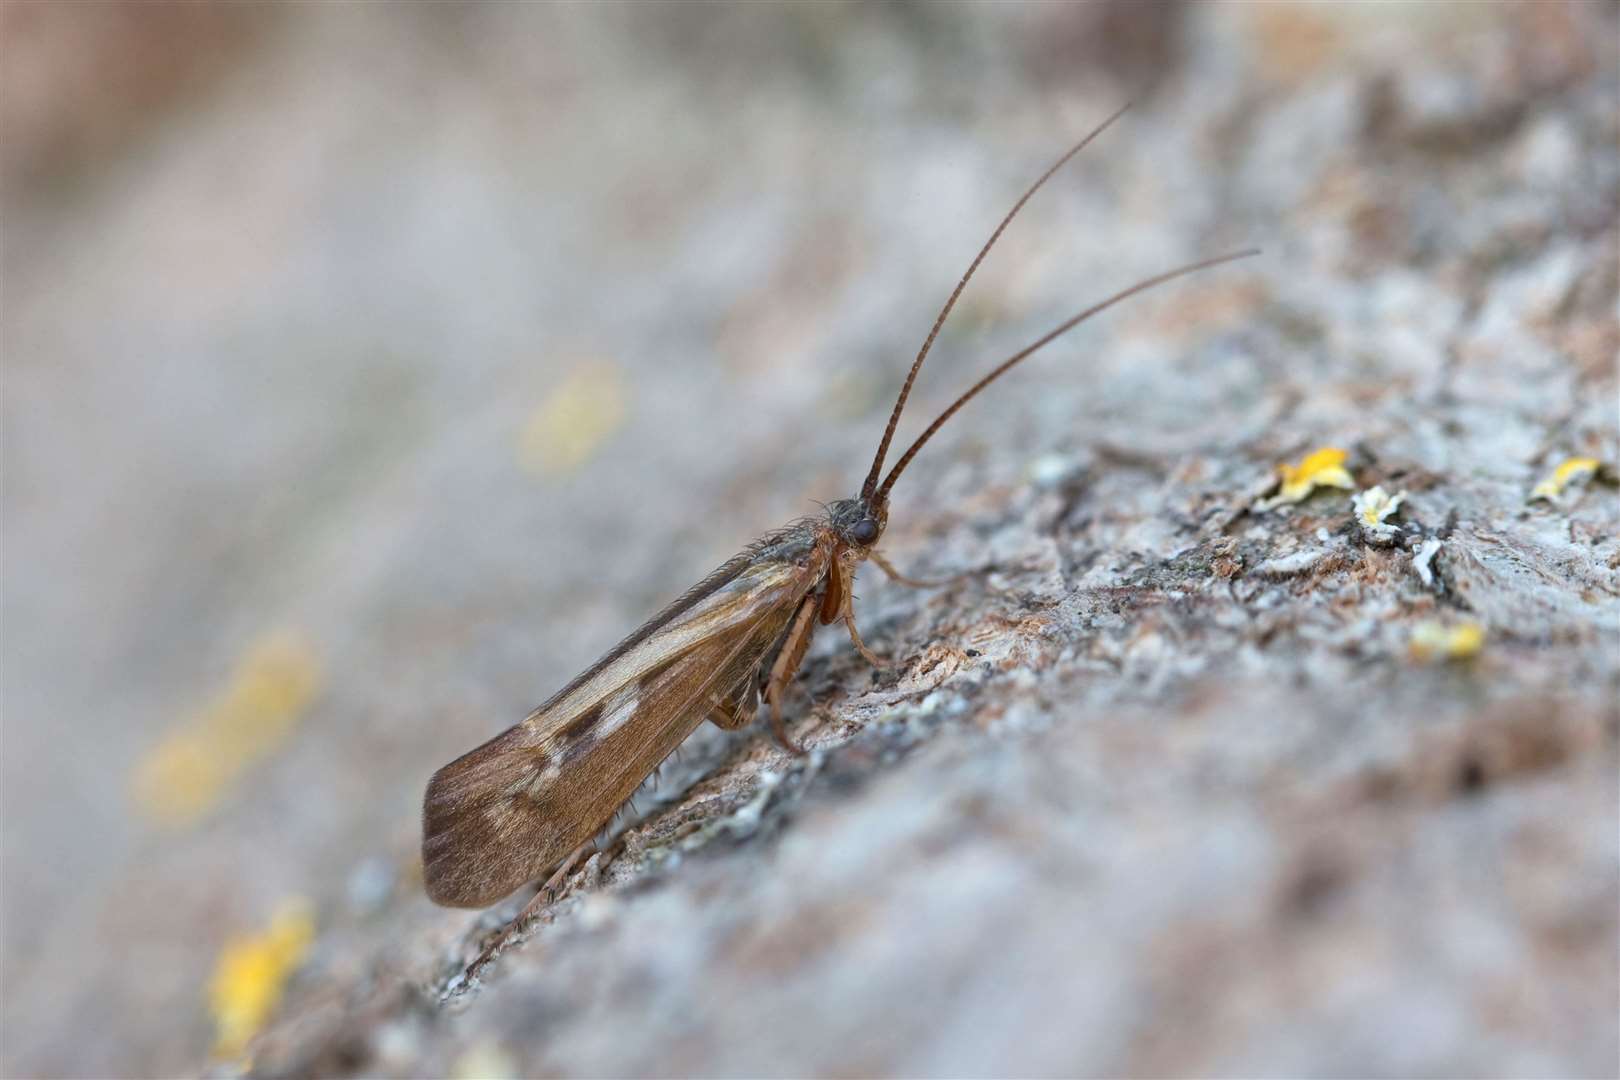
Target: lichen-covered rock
1173,777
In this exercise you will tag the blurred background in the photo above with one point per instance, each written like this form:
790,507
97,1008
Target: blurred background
369,369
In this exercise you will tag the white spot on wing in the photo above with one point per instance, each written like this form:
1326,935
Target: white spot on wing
622,708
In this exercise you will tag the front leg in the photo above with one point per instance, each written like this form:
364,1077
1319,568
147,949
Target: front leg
855,636
845,609
915,583
788,659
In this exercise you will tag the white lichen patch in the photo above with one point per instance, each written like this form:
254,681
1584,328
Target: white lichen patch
1052,470
1373,509
1290,565
744,821
1423,561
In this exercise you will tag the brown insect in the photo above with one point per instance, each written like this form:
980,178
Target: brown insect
534,797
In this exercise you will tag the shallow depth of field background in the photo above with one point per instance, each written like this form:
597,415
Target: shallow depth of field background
369,369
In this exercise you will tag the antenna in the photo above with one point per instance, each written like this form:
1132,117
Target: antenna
871,484
1062,328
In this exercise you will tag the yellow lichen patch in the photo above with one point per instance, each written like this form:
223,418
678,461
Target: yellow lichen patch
250,974
1433,640
187,774
579,414
1575,470
1319,468
484,1061
1373,508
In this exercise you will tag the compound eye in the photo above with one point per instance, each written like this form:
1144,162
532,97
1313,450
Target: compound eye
864,531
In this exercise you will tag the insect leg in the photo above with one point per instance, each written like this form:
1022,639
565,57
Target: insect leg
547,894
848,615
855,636
738,707
787,665
555,881
915,583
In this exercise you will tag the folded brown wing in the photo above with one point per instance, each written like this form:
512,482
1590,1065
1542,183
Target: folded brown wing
505,813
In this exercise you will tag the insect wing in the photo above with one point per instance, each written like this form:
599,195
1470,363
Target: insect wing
506,812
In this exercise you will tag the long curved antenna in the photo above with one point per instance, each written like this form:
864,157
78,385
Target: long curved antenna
1063,328
922,354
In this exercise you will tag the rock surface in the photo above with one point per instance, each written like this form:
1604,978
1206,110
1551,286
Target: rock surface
438,346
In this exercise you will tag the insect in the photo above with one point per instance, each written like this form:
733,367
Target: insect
533,798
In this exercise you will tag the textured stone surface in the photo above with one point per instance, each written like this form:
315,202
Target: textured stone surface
1156,788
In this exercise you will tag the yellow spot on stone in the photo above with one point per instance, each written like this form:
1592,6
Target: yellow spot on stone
484,1061
193,768
251,973
1575,470
574,420
1319,468
1434,640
